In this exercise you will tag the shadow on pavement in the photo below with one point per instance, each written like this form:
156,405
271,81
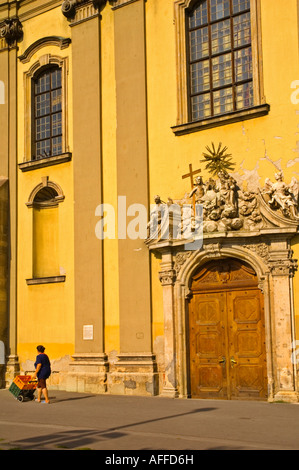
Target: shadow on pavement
81,438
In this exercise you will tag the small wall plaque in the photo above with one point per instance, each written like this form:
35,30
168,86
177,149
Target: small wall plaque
88,332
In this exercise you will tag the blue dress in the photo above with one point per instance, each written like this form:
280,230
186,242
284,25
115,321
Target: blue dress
45,370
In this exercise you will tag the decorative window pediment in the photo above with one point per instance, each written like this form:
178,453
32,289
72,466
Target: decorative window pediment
58,41
46,193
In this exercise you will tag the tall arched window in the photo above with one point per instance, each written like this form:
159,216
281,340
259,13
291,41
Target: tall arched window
46,136
220,58
47,125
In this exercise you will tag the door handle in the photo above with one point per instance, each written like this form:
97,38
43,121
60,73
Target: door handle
232,361
222,361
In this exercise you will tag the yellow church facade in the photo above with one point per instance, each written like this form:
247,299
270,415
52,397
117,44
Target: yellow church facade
149,195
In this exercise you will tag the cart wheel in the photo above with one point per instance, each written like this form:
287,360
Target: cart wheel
20,398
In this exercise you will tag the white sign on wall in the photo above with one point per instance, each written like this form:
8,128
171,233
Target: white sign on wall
2,92
2,353
88,332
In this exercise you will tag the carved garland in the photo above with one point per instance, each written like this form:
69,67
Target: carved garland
261,249
180,260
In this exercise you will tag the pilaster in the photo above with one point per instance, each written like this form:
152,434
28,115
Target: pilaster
10,34
282,267
88,370
88,373
135,358
134,374
167,277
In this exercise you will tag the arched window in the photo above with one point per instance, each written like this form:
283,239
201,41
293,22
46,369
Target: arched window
220,57
47,118
46,136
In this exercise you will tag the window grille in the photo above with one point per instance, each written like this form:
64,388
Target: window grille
48,113
220,58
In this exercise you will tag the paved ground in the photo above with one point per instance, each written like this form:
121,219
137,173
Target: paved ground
81,421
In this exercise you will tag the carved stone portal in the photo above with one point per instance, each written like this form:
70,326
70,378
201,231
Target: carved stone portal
253,227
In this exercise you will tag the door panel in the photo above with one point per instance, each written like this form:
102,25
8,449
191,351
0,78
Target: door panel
207,343
227,345
248,376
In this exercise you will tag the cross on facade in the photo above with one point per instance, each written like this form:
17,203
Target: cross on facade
191,174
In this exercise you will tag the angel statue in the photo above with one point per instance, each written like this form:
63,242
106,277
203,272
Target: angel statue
283,196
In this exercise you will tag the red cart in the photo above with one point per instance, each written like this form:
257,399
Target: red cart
23,387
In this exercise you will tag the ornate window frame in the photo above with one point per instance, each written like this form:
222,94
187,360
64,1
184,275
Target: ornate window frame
44,61
260,108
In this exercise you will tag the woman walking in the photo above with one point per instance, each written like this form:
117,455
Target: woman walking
42,373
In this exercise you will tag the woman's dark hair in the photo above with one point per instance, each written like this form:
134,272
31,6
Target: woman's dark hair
40,348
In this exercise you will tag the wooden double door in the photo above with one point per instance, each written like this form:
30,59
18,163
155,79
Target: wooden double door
227,333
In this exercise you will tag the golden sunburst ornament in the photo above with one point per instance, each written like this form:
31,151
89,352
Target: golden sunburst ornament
218,160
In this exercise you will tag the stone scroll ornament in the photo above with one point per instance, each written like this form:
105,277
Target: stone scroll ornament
225,205
11,30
